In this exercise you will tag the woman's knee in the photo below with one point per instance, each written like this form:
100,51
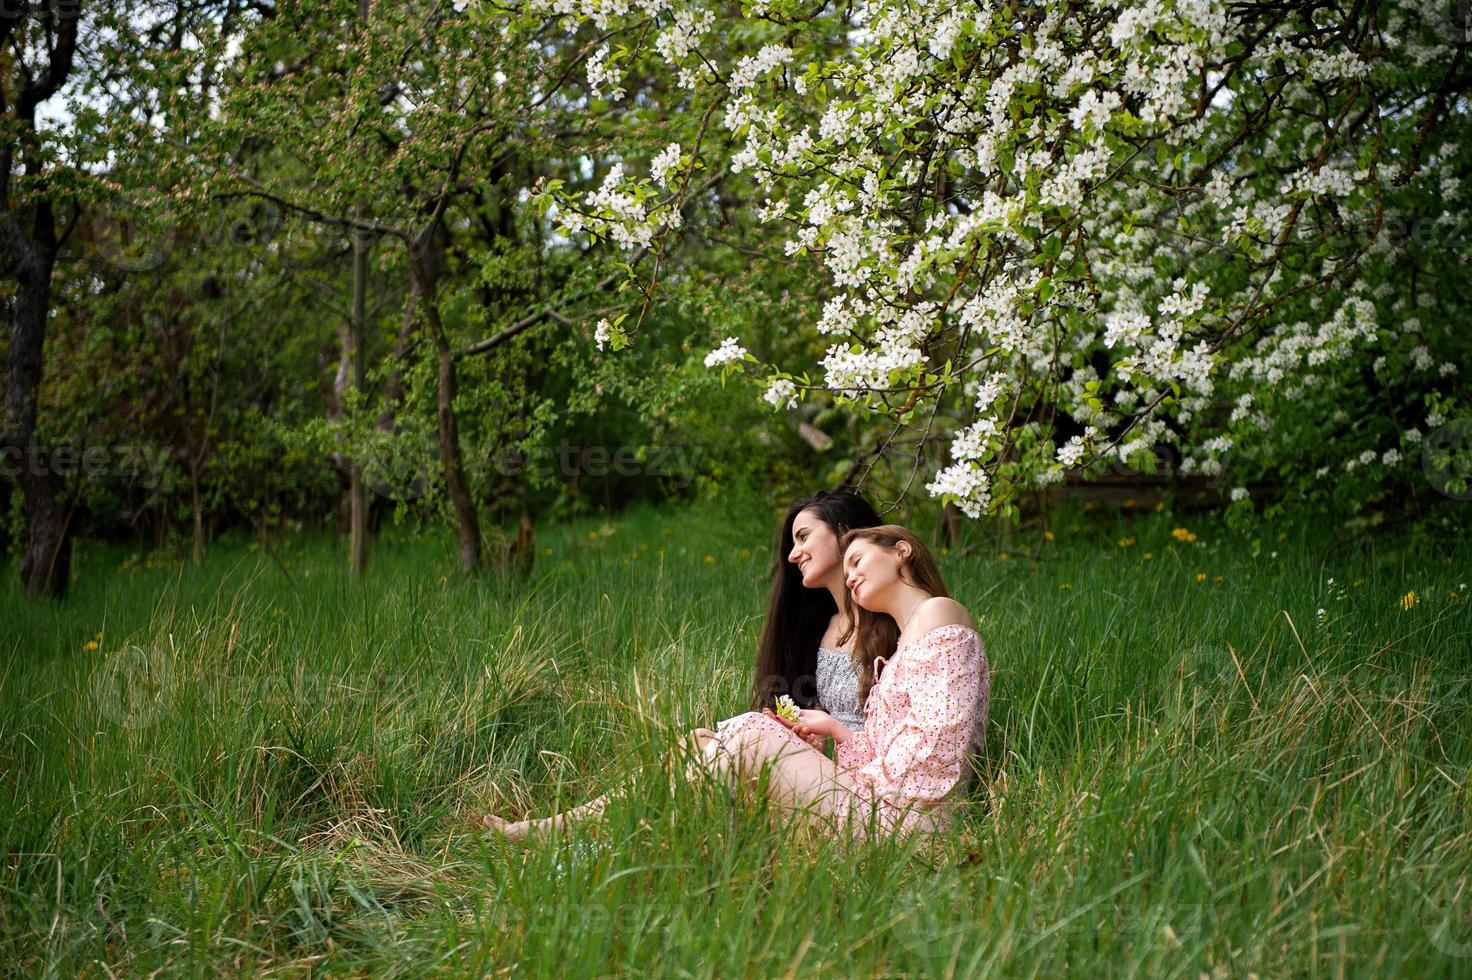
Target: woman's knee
747,742
698,747
760,745
755,725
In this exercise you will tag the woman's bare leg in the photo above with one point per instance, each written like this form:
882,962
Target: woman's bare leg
798,778
516,830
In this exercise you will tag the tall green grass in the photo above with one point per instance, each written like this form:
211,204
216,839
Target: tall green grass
261,766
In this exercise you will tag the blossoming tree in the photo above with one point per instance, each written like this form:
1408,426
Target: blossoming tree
1064,234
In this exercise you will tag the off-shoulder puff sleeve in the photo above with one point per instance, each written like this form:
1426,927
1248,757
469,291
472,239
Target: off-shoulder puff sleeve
922,757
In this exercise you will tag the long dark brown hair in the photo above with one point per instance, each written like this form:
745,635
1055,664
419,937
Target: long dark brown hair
787,657
878,634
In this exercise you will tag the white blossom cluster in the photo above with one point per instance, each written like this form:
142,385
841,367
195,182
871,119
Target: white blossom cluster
617,213
601,74
729,352
666,162
781,393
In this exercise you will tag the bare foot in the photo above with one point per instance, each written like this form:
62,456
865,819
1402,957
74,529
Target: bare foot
506,828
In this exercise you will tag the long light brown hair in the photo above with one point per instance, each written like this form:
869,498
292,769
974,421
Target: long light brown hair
878,634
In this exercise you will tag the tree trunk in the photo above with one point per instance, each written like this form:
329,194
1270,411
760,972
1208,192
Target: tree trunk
45,568
5,491
357,495
357,519
393,382
194,502
46,563
456,485
28,245
522,552
951,525
468,523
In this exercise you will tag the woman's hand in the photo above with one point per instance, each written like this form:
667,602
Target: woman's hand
816,740
813,724
813,721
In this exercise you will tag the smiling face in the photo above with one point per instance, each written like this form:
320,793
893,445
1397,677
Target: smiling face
814,548
870,570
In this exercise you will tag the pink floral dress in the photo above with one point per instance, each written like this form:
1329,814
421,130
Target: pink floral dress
924,717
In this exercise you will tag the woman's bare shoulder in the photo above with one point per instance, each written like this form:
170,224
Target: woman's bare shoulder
941,611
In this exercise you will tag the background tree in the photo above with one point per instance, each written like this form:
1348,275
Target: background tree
38,46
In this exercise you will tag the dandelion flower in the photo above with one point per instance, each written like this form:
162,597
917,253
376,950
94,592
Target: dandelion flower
1408,600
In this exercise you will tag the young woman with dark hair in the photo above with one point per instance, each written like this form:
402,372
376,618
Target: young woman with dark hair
802,648
801,651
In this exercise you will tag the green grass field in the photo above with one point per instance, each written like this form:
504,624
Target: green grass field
259,766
